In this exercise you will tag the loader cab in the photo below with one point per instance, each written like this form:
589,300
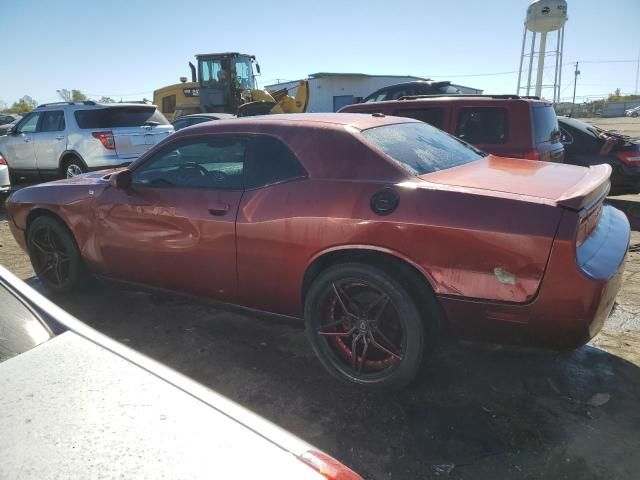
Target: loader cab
222,78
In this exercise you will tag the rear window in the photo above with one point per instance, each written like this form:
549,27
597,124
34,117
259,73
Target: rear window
420,148
482,125
114,117
545,125
432,116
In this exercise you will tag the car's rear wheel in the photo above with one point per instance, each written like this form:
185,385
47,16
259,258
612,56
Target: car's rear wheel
364,326
54,255
72,167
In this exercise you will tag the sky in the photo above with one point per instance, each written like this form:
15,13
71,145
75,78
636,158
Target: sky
125,49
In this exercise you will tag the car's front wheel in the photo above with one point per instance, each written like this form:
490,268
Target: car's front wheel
54,255
364,326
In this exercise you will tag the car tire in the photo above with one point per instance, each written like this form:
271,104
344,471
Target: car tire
352,299
634,114
73,166
54,255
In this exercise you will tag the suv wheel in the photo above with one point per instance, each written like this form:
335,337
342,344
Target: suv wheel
73,167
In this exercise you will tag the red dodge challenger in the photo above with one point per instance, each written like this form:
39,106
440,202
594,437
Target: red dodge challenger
382,232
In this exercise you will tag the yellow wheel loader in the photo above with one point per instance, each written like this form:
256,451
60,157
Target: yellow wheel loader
225,82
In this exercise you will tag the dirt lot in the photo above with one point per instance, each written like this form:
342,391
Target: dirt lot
479,412
627,125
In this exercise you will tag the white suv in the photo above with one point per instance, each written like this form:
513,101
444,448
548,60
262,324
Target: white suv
66,139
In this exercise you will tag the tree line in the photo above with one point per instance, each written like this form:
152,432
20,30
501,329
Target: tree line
26,103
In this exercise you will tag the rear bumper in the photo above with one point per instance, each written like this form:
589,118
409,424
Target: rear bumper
573,301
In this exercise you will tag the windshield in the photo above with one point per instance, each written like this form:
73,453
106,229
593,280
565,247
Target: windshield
213,73
244,73
420,148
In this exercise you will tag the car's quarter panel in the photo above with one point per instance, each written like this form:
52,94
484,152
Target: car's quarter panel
570,307
439,232
176,238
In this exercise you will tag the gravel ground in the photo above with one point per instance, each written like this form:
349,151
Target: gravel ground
479,412
627,125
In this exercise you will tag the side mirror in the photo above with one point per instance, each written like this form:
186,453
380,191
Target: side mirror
12,130
121,179
258,68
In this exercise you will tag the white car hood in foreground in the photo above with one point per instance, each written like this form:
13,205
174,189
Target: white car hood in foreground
70,408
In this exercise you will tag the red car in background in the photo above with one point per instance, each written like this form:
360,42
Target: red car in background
381,232
505,125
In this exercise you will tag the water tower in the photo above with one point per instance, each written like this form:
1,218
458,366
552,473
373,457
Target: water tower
543,16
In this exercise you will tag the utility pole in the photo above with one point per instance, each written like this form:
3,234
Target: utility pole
575,82
637,71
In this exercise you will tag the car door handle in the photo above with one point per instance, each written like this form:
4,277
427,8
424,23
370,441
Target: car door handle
219,210
59,137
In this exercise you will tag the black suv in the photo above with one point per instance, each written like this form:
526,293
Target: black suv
419,87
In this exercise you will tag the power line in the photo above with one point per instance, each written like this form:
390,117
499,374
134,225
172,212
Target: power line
516,71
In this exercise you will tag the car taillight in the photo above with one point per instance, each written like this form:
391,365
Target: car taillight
328,467
630,157
2,160
106,138
588,224
531,155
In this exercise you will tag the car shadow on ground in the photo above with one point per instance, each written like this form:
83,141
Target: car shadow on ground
477,412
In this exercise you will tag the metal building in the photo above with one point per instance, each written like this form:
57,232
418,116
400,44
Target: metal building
331,91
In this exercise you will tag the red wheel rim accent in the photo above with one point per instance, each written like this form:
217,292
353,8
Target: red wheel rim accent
362,327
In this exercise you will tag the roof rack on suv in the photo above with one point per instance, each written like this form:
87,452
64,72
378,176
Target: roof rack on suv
456,95
86,102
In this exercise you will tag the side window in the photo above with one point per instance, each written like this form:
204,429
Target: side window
169,104
271,161
52,121
197,120
178,124
29,123
396,94
215,162
482,125
432,116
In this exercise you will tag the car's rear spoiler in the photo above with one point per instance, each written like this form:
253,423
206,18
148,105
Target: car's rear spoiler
593,186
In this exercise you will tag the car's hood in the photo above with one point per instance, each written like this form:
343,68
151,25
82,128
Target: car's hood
567,185
65,191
